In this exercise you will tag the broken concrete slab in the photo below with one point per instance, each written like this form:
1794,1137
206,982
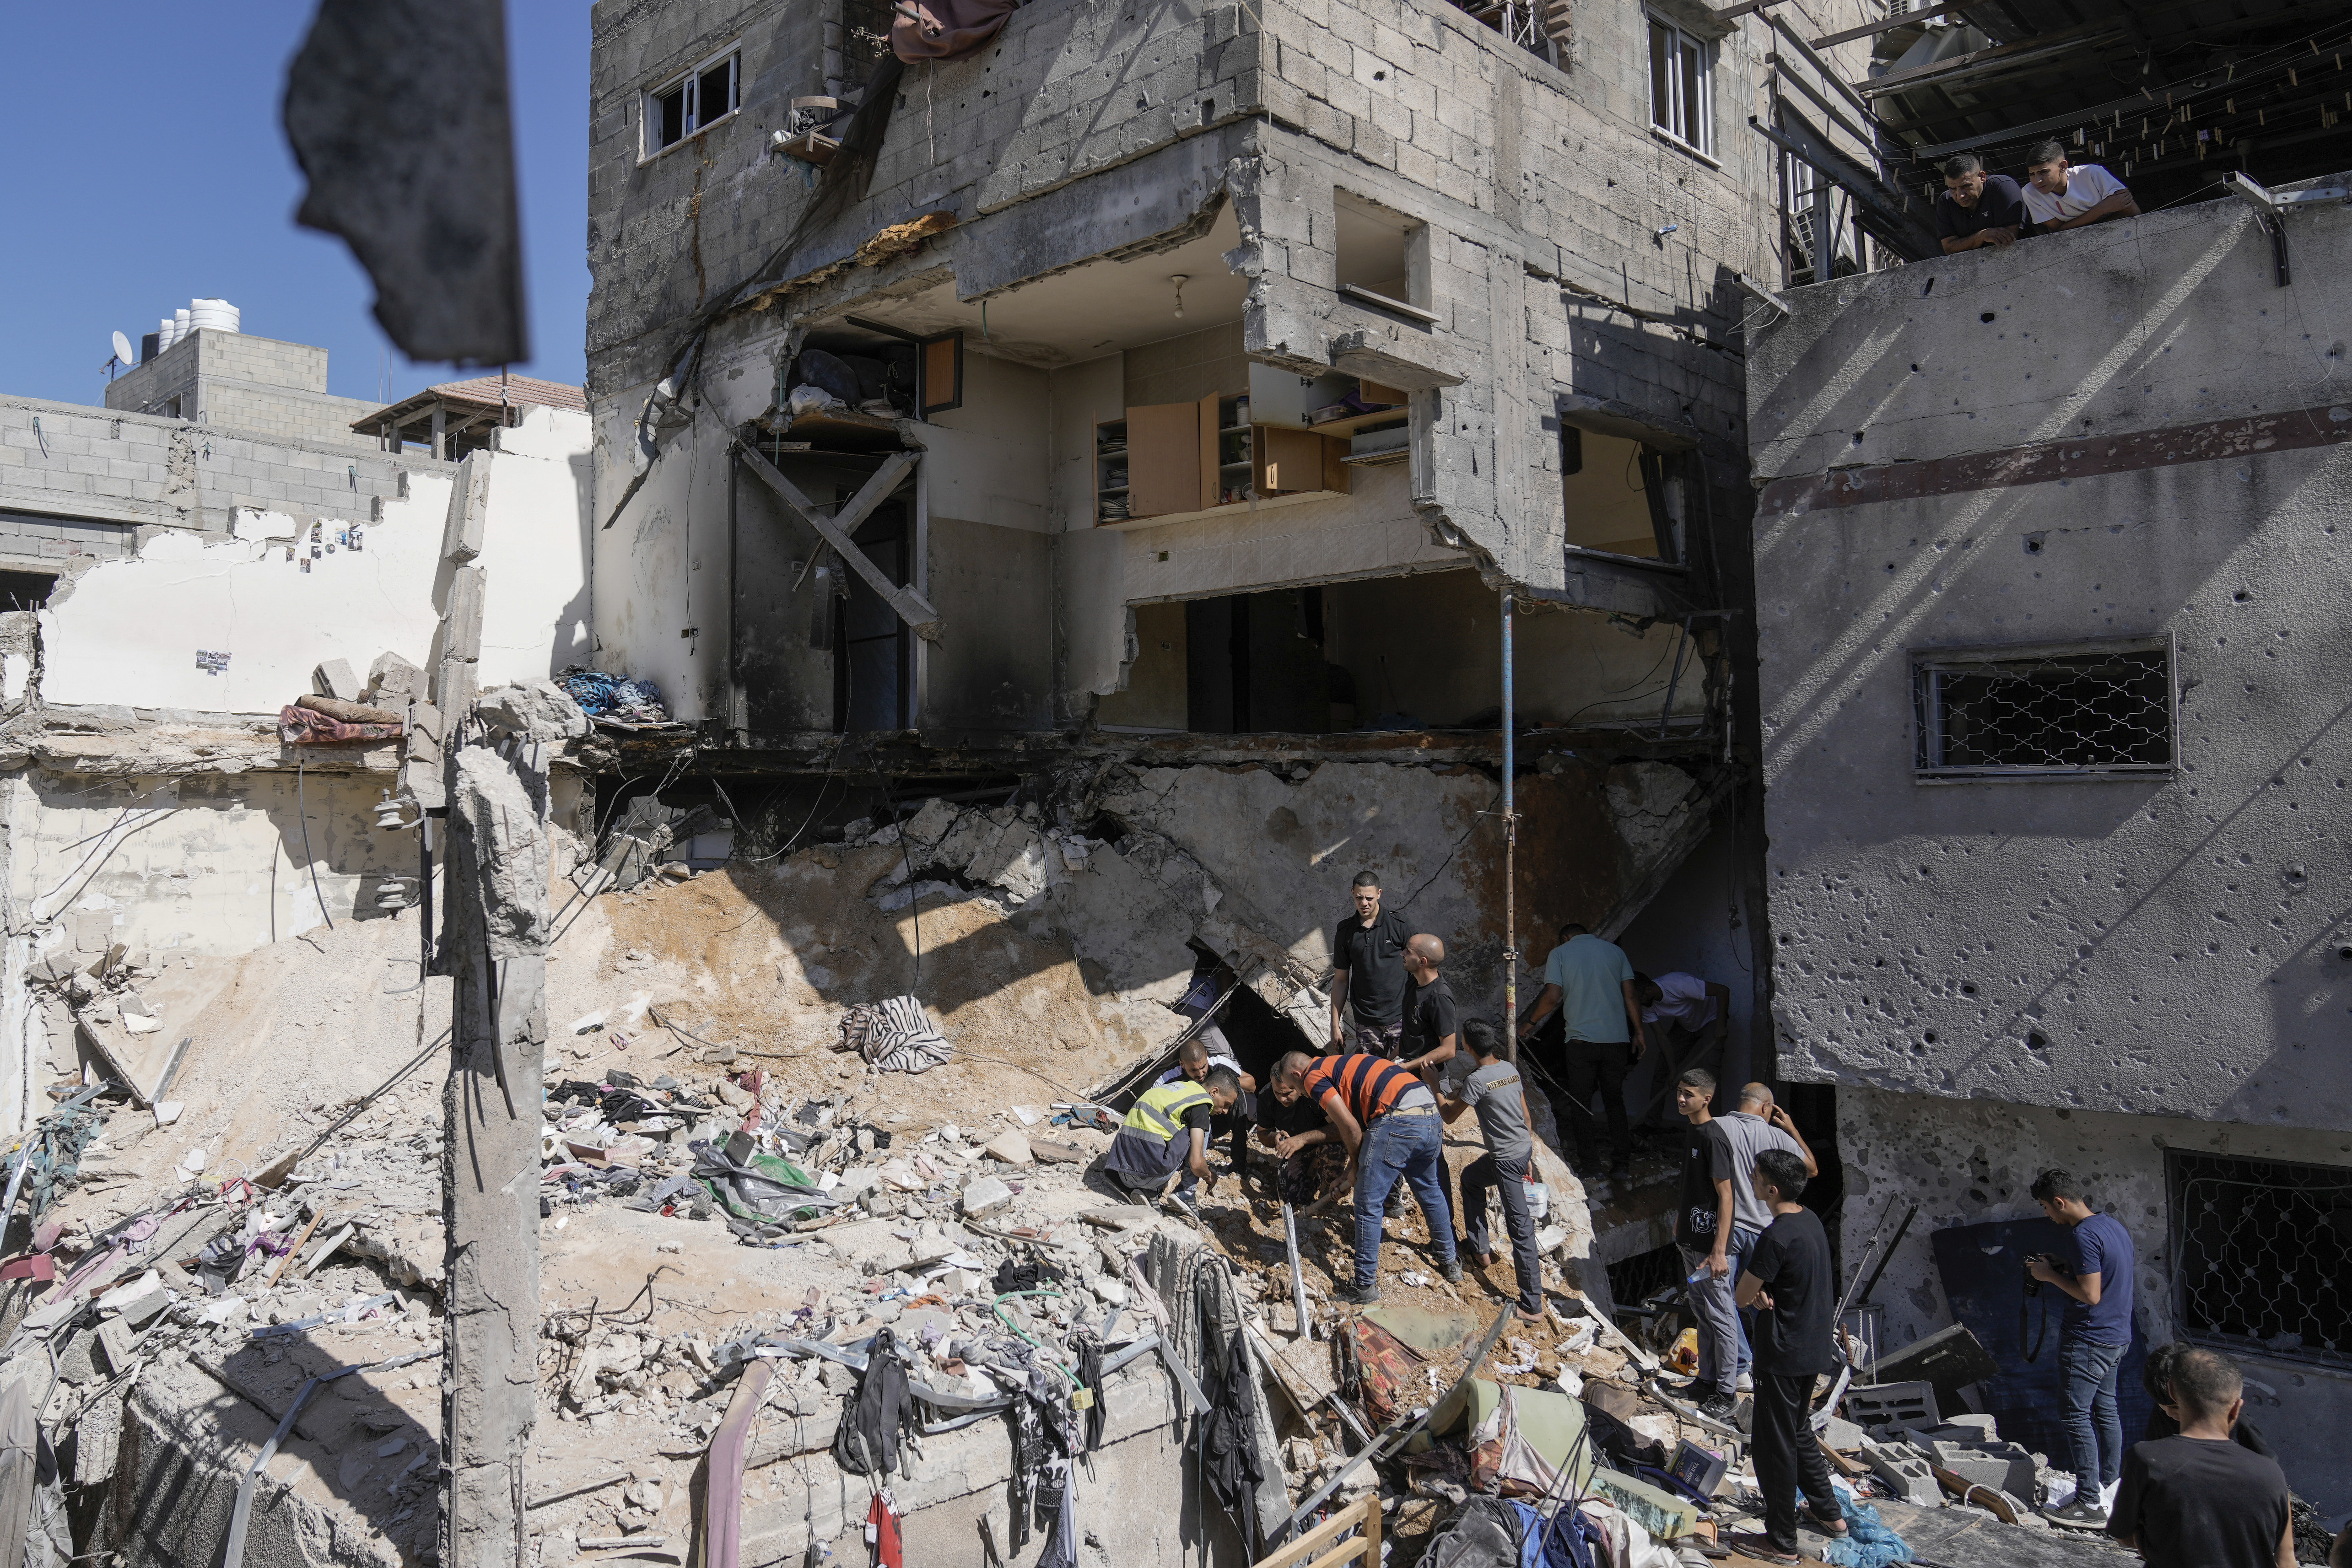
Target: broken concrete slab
985,1197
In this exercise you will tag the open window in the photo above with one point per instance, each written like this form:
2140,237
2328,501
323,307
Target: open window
1622,488
1376,262
687,105
25,589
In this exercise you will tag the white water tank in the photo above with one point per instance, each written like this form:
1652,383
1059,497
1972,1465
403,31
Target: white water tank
217,314
166,333
181,325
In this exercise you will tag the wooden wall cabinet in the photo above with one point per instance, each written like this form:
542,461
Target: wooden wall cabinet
1175,461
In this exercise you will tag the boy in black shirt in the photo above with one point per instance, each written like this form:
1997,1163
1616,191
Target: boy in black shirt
2200,1501
1789,1277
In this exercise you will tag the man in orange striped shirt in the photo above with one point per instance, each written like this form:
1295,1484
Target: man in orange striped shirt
1388,1119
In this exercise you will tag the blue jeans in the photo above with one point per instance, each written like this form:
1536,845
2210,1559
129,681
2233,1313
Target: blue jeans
1722,1332
1406,1145
2095,1433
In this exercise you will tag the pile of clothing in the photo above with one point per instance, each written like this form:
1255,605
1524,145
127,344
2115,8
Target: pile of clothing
614,697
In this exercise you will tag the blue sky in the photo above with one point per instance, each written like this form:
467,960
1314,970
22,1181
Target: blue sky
149,168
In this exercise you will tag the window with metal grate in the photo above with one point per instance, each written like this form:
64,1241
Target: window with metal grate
2071,711
2263,1252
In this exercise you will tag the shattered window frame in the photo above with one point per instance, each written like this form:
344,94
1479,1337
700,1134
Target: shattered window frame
2089,659
1686,71
2249,1240
688,85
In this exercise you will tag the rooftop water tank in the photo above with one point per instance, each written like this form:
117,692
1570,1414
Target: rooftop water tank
217,314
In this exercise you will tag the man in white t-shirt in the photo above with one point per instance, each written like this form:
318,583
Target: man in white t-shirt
2071,196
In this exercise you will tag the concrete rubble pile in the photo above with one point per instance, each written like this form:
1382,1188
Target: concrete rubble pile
737,1207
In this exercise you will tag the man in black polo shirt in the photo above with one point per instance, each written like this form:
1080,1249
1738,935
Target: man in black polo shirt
1368,974
1978,209
1791,1280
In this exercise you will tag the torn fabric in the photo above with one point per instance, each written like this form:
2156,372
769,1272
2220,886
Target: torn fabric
895,1036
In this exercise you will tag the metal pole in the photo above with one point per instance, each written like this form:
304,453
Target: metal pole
1510,850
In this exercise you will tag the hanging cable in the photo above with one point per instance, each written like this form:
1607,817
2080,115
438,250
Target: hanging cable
302,807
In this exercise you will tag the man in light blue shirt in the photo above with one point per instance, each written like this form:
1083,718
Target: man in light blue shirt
1590,982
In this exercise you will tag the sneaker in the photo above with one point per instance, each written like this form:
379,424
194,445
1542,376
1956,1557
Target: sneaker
1747,1383
1357,1295
1757,1544
2078,1515
1452,1270
1719,1408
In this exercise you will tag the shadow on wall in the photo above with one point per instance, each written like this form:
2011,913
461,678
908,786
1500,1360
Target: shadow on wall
211,864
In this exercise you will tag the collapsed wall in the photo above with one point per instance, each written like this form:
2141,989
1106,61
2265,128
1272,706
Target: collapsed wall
1047,956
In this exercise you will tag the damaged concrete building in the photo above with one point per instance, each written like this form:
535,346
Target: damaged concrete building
2051,557
176,583
1167,403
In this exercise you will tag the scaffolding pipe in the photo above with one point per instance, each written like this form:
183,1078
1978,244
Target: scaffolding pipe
1510,847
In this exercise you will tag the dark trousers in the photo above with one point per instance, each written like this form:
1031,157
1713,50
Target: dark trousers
1236,1123
1587,1065
1788,1455
1485,1175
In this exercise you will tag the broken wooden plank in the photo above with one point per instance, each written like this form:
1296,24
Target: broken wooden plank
911,607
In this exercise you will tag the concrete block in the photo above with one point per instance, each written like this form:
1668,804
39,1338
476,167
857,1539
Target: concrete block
2004,1466
1887,1405
335,678
1906,1473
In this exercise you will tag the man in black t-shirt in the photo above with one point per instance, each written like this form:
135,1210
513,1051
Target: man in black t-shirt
2200,1501
1978,209
1703,1231
1368,974
1789,1277
1430,1017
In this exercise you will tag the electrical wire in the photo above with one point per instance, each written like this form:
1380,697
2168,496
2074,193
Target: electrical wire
302,806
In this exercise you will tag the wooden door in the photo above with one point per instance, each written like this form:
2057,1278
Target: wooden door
1163,459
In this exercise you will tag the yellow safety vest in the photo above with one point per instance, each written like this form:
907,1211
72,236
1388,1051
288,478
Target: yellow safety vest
1160,1111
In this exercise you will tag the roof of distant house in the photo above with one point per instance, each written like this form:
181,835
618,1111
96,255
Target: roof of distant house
479,393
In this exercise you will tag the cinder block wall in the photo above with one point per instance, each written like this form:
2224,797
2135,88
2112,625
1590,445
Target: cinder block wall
114,467
1545,191
234,380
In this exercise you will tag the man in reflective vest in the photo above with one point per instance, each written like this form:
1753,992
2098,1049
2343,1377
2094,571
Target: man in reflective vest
1168,1132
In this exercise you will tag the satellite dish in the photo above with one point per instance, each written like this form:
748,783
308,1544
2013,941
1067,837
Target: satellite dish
122,349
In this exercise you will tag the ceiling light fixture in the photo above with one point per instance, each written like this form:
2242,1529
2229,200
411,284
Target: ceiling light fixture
1179,279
